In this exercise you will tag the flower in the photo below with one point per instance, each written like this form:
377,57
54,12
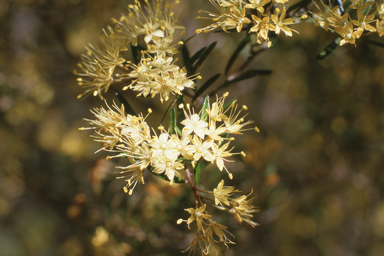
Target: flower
222,193
219,154
218,230
163,146
231,15
193,124
201,242
262,27
169,167
198,215
242,210
281,23
257,4
380,27
363,21
348,34
201,149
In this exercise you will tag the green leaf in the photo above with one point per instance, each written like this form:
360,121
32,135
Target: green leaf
373,42
203,113
189,38
172,121
185,53
178,131
128,108
198,168
180,112
204,56
246,75
164,177
166,111
329,49
205,86
194,58
184,49
136,53
234,56
228,104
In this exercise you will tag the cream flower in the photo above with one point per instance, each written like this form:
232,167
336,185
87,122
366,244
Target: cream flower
168,166
193,124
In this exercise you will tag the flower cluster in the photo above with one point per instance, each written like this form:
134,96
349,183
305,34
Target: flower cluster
193,140
208,230
351,26
152,27
204,136
259,17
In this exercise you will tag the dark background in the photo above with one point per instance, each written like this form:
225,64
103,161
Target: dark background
315,167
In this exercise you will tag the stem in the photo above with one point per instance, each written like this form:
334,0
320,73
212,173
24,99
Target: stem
204,191
198,197
208,198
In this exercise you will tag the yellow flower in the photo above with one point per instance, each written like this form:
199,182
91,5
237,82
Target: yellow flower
198,215
222,193
220,154
282,23
348,34
363,21
135,177
201,242
231,15
218,230
380,27
262,27
236,19
233,123
98,65
242,210
257,5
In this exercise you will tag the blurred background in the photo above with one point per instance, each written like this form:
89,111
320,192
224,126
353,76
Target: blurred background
316,167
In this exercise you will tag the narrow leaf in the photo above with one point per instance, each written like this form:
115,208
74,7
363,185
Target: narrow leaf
234,56
136,55
373,42
166,111
228,104
122,100
180,112
178,131
246,75
172,121
204,56
205,86
164,177
329,49
185,53
203,113
184,49
195,57
198,168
